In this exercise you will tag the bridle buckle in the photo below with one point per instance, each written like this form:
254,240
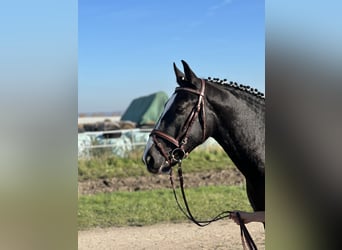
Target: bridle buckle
177,155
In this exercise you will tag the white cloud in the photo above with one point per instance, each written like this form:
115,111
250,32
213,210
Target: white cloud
212,9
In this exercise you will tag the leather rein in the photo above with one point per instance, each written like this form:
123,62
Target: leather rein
178,154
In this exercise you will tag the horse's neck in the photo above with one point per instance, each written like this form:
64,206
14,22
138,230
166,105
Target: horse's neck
239,128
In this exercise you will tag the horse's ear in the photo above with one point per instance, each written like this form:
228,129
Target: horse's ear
180,77
190,76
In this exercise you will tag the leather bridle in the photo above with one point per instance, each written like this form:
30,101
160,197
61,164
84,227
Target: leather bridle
178,153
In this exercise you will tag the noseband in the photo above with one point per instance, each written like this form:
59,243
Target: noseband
179,153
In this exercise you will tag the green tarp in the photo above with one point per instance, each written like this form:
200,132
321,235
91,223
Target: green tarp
146,110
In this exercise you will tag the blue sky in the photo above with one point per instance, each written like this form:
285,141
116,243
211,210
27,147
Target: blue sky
126,47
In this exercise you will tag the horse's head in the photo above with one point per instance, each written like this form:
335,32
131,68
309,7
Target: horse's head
181,126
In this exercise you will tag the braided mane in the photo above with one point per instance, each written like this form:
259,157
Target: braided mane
236,86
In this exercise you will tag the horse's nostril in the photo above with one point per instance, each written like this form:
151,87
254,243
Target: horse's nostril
149,160
146,159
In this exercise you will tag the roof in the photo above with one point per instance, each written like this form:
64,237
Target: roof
146,110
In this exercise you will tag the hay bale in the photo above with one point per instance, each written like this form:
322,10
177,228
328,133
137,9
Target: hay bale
80,128
127,125
89,127
99,126
109,125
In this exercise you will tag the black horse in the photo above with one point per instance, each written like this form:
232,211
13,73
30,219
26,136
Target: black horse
234,115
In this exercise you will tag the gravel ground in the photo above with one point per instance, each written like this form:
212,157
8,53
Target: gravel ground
218,235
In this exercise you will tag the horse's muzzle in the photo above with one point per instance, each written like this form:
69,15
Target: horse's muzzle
156,165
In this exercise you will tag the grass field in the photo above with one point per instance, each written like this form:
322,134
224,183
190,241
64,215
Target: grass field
156,206
150,207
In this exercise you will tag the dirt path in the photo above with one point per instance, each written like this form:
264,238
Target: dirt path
219,235
225,177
